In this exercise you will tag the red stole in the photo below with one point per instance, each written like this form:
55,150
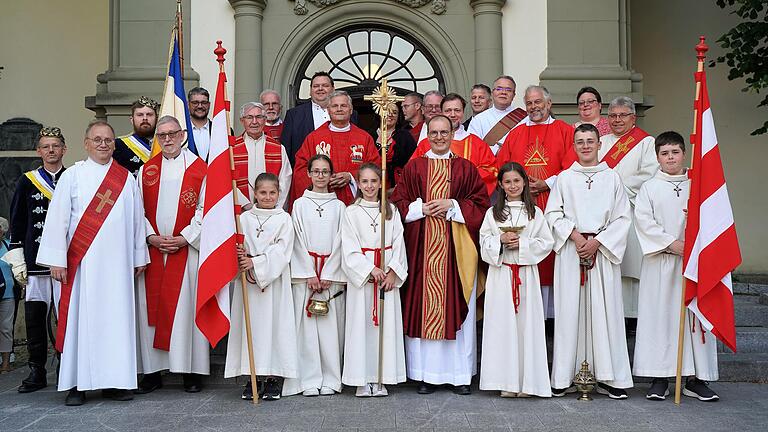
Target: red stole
623,146
273,160
163,282
90,223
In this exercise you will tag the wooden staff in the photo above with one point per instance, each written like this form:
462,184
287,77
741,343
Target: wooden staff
220,51
701,54
383,99
180,35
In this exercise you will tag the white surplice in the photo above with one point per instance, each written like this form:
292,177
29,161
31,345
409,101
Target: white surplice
189,349
100,341
482,123
593,311
257,165
660,220
317,224
273,327
635,168
361,347
514,344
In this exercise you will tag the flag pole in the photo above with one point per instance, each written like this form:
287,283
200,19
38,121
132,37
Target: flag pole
701,54
180,35
383,212
220,51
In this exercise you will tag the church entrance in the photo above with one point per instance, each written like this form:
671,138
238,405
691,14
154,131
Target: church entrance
358,57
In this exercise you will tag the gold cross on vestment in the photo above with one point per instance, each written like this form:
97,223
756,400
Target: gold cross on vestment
622,147
104,199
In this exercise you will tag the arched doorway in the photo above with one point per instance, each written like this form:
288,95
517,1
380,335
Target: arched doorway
358,57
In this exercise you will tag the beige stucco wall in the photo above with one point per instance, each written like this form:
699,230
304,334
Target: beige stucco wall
524,35
663,38
52,51
212,20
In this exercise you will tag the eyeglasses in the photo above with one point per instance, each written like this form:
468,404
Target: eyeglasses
250,118
442,133
165,135
199,103
504,89
432,107
587,102
271,104
100,141
320,173
47,147
622,116
405,105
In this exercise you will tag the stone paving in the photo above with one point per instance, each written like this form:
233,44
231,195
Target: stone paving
743,407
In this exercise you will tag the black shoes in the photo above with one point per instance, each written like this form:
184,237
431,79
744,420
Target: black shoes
697,388
659,389
35,381
556,392
272,389
611,392
120,395
75,398
247,391
462,390
192,383
150,382
426,388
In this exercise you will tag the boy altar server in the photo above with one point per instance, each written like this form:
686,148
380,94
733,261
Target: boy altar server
588,211
660,215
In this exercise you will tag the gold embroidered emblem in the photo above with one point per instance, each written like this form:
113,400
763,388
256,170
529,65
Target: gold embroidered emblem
189,198
151,175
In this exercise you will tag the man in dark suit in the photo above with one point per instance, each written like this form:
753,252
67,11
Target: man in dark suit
303,119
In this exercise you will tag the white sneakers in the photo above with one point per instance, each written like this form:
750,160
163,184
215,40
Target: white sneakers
371,389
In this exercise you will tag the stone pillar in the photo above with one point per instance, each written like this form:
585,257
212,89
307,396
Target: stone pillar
488,48
588,43
248,65
139,33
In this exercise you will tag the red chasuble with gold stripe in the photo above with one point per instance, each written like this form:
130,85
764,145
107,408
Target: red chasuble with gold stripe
474,150
93,218
544,150
273,160
163,280
434,299
623,146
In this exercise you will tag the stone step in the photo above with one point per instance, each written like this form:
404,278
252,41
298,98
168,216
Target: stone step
763,299
748,340
750,367
750,288
750,311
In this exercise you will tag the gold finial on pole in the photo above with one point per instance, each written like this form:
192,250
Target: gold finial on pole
384,99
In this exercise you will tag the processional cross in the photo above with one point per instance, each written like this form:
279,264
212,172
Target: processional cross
383,99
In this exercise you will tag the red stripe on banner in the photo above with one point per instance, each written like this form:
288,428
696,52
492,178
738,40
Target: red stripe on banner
718,259
218,269
220,104
216,190
712,165
715,306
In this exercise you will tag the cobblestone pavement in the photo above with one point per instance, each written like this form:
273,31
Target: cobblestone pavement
743,407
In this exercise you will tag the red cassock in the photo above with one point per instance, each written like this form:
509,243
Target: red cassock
274,131
544,150
347,150
473,149
433,302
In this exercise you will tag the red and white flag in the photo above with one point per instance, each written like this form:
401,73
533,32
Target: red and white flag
218,253
711,246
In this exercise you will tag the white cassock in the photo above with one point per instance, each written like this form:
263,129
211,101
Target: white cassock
189,349
514,344
317,224
100,341
256,166
444,361
600,207
273,326
482,123
635,168
361,348
660,220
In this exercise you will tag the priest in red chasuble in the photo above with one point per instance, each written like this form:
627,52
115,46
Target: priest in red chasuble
464,144
544,146
347,145
442,199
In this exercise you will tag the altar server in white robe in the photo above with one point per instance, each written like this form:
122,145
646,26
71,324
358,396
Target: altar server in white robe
660,222
361,243
316,274
95,244
589,214
170,184
514,349
629,150
265,258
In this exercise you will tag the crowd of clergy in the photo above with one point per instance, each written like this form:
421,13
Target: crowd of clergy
505,220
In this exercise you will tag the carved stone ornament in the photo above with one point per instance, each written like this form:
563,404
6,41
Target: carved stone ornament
438,6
